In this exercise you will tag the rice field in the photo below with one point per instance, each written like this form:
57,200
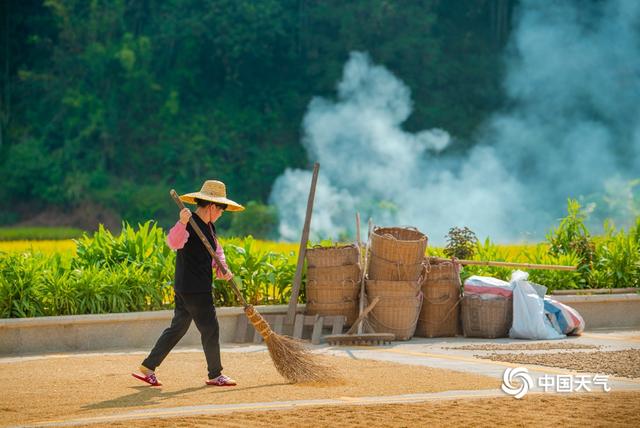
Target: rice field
67,246
64,246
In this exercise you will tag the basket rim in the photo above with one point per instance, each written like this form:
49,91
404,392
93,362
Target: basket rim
388,236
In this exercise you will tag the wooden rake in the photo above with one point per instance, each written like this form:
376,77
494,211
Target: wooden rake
291,359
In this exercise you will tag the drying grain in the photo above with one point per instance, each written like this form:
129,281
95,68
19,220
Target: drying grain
92,385
541,346
592,410
624,363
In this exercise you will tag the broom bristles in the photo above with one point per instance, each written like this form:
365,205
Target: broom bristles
294,362
291,358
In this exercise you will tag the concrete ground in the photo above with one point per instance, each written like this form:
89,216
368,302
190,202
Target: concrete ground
458,354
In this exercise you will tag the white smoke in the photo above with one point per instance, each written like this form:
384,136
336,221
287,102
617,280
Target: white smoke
572,130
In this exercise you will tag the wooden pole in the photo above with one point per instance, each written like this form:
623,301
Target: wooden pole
506,264
297,279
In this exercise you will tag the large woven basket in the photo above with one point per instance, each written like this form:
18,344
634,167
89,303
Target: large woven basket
397,315
439,316
332,291
381,269
338,255
487,318
399,244
436,269
384,289
348,308
334,273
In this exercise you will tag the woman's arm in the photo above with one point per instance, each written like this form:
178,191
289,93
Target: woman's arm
223,261
177,236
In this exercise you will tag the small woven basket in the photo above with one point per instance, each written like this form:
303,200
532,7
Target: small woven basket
332,291
338,255
334,273
437,269
486,318
381,269
397,315
348,308
439,316
399,244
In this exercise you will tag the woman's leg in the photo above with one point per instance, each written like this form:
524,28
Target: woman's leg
204,315
171,336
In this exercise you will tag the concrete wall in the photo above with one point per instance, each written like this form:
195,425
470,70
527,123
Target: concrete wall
108,331
609,311
139,330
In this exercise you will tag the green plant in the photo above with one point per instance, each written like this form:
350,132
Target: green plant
487,251
572,236
617,260
461,243
554,279
266,276
257,220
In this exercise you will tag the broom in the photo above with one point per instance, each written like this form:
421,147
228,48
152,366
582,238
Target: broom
291,359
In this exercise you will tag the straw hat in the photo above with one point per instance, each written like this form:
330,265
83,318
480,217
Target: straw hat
214,191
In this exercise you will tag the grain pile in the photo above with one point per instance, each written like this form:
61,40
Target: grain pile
91,385
592,410
624,363
542,346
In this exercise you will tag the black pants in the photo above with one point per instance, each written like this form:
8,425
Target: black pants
199,308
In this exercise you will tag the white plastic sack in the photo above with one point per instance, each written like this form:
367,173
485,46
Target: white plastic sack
486,285
529,320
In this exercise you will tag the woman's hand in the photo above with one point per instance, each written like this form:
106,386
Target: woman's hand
185,215
228,276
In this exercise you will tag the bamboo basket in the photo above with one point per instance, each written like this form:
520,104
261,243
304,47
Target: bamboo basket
439,316
381,269
334,273
399,244
486,318
339,255
348,308
385,289
397,315
438,269
332,291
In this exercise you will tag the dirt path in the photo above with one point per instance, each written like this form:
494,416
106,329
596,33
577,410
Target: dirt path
74,387
593,410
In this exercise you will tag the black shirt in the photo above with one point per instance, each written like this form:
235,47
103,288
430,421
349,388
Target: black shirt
194,273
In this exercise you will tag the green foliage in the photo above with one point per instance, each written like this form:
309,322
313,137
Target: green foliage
617,260
266,276
112,103
572,236
258,220
38,233
487,251
461,243
129,272
132,271
554,279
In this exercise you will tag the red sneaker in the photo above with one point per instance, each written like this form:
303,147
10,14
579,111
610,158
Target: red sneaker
150,378
221,380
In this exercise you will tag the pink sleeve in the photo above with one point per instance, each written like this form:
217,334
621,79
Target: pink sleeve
177,236
220,254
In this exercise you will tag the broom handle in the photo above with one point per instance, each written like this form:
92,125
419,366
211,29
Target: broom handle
505,264
206,243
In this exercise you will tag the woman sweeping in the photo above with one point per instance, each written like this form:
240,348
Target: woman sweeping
193,281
